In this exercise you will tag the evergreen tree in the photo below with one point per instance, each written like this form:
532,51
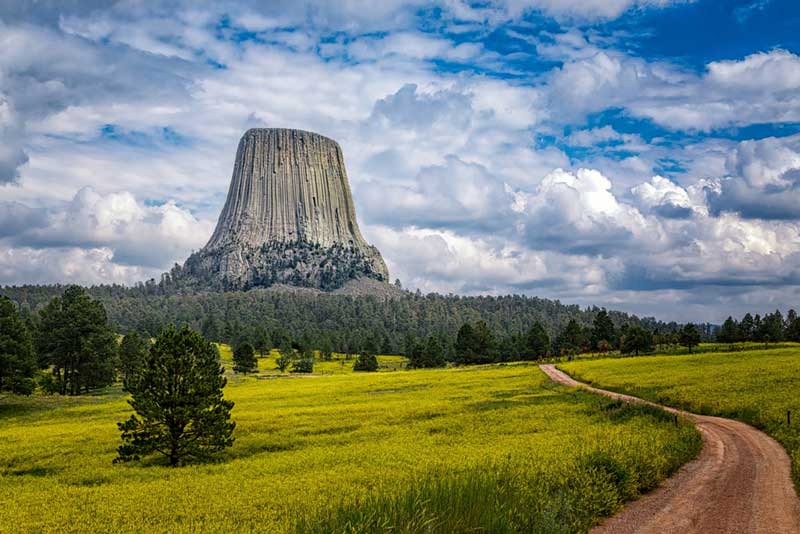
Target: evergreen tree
261,341
386,345
132,353
367,361
409,343
747,328
603,330
429,355
571,340
305,364
465,342
758,329
178,402
75,339
286,354
211,328
537,342
792,326
244,359
484,343
326,349
17,359
729,332
773,327
637,340
689,336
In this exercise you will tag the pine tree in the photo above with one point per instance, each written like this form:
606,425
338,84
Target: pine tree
728,332
431,354
178,402
747,328
792,326
286,354
603,330
132,353
244,359
637,340
689,336
537,342
571,339
75,338
17,359
465,343
261,341
367,361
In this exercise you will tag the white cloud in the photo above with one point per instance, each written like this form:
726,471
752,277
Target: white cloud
25,265
777,70
663,197
125,230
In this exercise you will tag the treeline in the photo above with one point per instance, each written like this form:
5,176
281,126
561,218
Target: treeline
343,323
475,343
770,328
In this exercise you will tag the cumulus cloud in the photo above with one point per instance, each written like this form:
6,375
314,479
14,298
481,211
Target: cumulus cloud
663,197
759,88
763,180
578,213
118,235
455,195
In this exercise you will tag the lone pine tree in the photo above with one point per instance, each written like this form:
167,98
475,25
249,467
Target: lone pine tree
244,359
178,400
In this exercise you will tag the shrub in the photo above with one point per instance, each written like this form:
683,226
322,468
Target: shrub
303,365
366,362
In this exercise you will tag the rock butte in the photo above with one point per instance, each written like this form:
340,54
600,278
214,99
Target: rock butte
289,219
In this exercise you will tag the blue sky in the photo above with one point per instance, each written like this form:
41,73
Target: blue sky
636,154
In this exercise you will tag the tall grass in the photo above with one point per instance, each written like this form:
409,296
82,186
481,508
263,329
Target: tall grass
513,498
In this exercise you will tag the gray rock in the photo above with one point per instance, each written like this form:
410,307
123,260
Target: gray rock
289,219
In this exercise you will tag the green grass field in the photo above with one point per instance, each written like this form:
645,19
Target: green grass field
756,386
497,448
338,364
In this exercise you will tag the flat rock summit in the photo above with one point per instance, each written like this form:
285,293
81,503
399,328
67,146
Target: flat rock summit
289,219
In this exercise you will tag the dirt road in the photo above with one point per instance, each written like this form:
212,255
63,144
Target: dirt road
740,483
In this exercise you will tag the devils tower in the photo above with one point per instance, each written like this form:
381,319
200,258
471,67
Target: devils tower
289,219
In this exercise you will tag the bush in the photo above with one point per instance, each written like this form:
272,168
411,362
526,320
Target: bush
305,365
285,359
366,362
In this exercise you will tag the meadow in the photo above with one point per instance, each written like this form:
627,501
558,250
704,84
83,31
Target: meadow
497,448
758,387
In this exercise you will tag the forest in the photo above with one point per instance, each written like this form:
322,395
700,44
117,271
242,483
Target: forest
345,322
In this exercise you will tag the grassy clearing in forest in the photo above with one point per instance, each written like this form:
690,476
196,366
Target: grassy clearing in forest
756,386
497,448
338,364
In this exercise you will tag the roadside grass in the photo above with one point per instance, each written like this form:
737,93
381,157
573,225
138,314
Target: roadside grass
492,449
758,387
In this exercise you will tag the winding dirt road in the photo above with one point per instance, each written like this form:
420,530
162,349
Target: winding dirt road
740,483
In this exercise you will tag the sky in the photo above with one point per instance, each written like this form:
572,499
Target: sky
642,155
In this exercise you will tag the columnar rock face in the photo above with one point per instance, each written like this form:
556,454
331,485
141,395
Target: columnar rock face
289,218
